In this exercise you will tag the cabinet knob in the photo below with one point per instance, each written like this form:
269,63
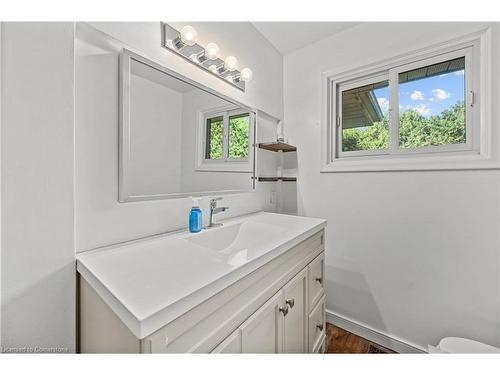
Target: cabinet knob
320,327
284,310
319,280
290,302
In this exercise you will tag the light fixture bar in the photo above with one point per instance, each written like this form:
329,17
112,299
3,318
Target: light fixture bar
184,44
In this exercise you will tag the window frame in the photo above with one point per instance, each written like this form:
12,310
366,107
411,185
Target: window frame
476,152
392,76
225,164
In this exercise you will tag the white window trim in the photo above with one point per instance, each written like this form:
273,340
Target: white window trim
482,153
242,165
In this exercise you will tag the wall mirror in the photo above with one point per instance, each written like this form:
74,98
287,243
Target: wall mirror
178,138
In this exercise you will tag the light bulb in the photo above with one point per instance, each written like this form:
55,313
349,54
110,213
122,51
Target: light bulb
213,68
231,63
194,57
229,78
212,51
189,35
170,43
246,74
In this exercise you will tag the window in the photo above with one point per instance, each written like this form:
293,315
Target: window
227,136
226,140
425,110
430,104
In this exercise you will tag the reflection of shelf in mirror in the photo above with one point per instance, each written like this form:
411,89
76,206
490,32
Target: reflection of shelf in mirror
274,179
277,146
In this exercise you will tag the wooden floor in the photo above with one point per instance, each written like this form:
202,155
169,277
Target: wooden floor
341,341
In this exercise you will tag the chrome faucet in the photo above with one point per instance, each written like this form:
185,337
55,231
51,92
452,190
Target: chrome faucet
215,210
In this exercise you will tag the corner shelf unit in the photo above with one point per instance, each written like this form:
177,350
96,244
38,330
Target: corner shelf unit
277,146
274,179
276,172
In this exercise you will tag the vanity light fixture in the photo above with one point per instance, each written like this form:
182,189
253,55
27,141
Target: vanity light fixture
231,63
246,74
184,43
189,35
194,57
212,51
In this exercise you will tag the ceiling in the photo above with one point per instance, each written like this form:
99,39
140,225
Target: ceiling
290,36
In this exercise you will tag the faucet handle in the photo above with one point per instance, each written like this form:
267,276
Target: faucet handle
213,201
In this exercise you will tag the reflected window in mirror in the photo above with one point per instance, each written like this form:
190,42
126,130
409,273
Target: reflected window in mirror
227,136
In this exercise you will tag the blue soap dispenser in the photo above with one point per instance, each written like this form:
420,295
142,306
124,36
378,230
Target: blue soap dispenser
195,218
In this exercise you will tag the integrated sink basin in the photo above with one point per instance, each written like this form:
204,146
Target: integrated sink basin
238,243
238,236
152,281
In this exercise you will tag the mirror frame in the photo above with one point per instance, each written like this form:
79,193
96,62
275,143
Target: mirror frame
124,193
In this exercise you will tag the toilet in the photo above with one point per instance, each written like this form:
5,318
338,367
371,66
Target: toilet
461,345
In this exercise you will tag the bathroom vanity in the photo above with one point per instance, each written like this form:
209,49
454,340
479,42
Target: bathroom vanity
253,285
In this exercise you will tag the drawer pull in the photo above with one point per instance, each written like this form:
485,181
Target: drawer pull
320,327
319,280
290,302
284,310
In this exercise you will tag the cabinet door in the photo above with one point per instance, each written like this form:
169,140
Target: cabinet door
295,332
263,331
232,344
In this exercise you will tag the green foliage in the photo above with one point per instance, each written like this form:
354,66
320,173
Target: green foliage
238,136
415,130
375,137
216,135
445,128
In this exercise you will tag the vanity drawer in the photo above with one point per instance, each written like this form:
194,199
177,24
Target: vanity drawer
316,281
317,325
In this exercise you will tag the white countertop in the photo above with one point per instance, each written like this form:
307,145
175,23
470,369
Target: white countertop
150,282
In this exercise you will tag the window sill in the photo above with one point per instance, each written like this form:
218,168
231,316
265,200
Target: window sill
411,163
234,167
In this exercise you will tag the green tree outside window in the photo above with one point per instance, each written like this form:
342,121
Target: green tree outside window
415,131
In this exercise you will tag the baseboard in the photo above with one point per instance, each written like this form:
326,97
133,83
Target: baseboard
372,335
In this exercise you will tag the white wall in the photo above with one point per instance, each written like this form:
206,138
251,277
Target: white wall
37,258
100,219
413,255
